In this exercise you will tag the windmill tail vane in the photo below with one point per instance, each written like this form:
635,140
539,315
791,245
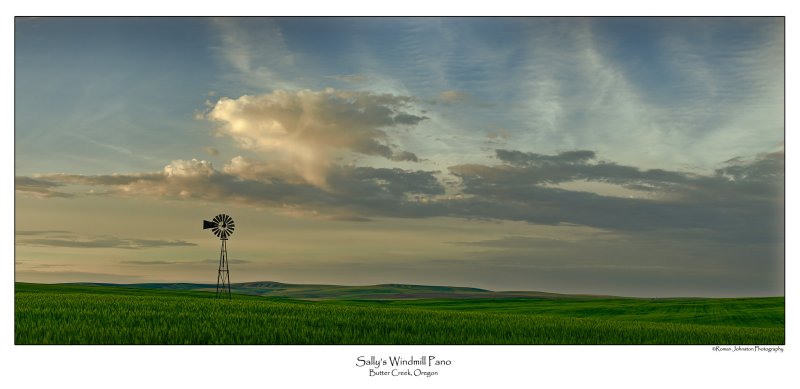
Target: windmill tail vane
222,226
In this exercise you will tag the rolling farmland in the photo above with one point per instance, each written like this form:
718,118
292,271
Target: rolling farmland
91,314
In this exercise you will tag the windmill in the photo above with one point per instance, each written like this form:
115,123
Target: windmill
222,226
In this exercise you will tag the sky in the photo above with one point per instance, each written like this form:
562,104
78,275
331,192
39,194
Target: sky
623,156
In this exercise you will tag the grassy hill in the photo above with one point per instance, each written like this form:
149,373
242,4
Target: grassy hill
370,292
90,314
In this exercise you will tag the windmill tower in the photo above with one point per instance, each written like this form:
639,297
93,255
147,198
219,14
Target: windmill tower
222,226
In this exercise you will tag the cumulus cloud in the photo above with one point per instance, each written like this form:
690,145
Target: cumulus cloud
193,168
258,170
309,129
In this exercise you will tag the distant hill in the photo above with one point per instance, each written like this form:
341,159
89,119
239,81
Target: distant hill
370,292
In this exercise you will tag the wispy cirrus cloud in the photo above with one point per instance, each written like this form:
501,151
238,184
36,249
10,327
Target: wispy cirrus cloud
71,240
41,232
161,262
57,276
256,53
349,78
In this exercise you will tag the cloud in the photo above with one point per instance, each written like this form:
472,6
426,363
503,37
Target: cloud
232,260
346,218
212,151
38,188
499,134
49,265
151,262
193,168
257,170
351,190
72,276
741,201
158,262
520,158
70,240
308,129
256,51
405,156
40,232
452,96
518,242
349,78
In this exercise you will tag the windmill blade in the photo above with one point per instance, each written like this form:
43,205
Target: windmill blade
221,225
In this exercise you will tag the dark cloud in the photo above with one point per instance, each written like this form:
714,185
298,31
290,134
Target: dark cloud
568,166
741,202
766,169
408,119
405,156
395,181
514,157
38,187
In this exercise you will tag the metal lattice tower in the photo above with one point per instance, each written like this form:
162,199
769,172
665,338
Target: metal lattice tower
222,225
223,275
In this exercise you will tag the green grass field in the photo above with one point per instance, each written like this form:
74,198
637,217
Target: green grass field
73,314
